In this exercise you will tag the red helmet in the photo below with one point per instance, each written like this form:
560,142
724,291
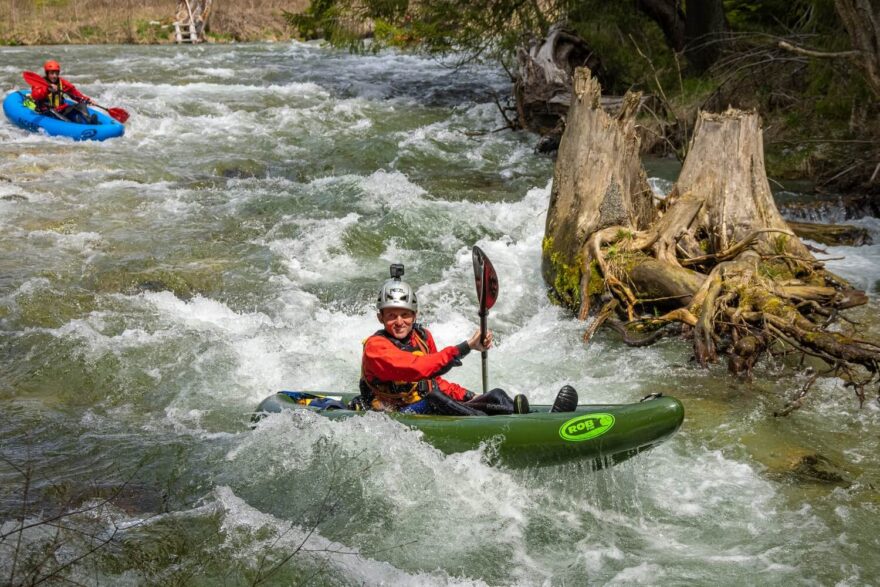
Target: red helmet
52,65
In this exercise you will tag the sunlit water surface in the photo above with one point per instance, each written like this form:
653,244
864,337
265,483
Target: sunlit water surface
153,289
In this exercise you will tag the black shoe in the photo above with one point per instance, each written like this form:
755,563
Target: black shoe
520,404
566,400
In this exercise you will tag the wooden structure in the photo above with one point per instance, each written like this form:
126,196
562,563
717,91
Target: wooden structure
191,20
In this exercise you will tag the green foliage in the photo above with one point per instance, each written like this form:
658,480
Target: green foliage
775,270
87,31
390,35
494,27
318,21
780,244
151,31
617,32
221,37
387,9
697,88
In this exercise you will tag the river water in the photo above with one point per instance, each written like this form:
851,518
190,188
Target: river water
153,289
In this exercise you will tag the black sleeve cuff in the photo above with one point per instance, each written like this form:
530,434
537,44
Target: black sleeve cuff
463,349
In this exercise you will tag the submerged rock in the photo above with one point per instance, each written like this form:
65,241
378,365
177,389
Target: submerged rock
244,169
816,468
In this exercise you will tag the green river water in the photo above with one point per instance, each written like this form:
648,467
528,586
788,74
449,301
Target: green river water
154,288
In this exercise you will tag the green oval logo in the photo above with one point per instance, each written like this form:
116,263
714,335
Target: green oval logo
586,427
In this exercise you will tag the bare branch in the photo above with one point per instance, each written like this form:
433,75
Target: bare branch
820,54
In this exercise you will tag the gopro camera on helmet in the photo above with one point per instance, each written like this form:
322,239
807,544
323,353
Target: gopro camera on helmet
396,270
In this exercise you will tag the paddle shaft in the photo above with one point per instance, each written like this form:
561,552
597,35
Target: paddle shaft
486,281
484,355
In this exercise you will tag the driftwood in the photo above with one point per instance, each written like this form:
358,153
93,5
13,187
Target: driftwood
717,257
542,87
831,234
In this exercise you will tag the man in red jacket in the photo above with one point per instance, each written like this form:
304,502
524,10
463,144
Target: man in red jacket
401,365
50,99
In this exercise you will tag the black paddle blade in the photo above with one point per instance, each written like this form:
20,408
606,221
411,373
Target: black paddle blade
485,279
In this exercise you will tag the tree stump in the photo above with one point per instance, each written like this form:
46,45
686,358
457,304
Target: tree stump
715,255
598,182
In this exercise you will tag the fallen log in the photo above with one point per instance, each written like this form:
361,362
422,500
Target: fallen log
831,234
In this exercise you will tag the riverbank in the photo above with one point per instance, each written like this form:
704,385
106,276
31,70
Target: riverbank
146,22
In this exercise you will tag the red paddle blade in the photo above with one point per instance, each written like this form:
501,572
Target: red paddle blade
118,114
34,79
485,279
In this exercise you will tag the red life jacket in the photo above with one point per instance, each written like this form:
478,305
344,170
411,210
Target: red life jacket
392,395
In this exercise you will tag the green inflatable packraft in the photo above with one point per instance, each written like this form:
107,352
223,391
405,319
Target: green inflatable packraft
600,435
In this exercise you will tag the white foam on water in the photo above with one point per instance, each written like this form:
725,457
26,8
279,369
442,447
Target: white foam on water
643,574
206,314
315,255
859,265
403,474
88,246
197,92
221,72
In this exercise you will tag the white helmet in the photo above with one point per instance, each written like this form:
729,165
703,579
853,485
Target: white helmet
395,293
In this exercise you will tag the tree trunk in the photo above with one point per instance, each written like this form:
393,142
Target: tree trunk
669,17
716,255
699,32
862,21
705,30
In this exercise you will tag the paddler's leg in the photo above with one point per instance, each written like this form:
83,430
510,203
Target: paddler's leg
497,402
443,404
80,113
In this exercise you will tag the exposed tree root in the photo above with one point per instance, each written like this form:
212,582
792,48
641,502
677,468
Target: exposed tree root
606,312
631,340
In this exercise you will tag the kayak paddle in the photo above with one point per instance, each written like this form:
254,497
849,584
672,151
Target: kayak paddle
486,281
35,79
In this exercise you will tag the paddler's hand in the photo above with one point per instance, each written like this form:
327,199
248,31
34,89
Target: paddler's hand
476,344
53,87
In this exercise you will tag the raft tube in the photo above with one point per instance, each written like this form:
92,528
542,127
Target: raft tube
600,435
19,110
